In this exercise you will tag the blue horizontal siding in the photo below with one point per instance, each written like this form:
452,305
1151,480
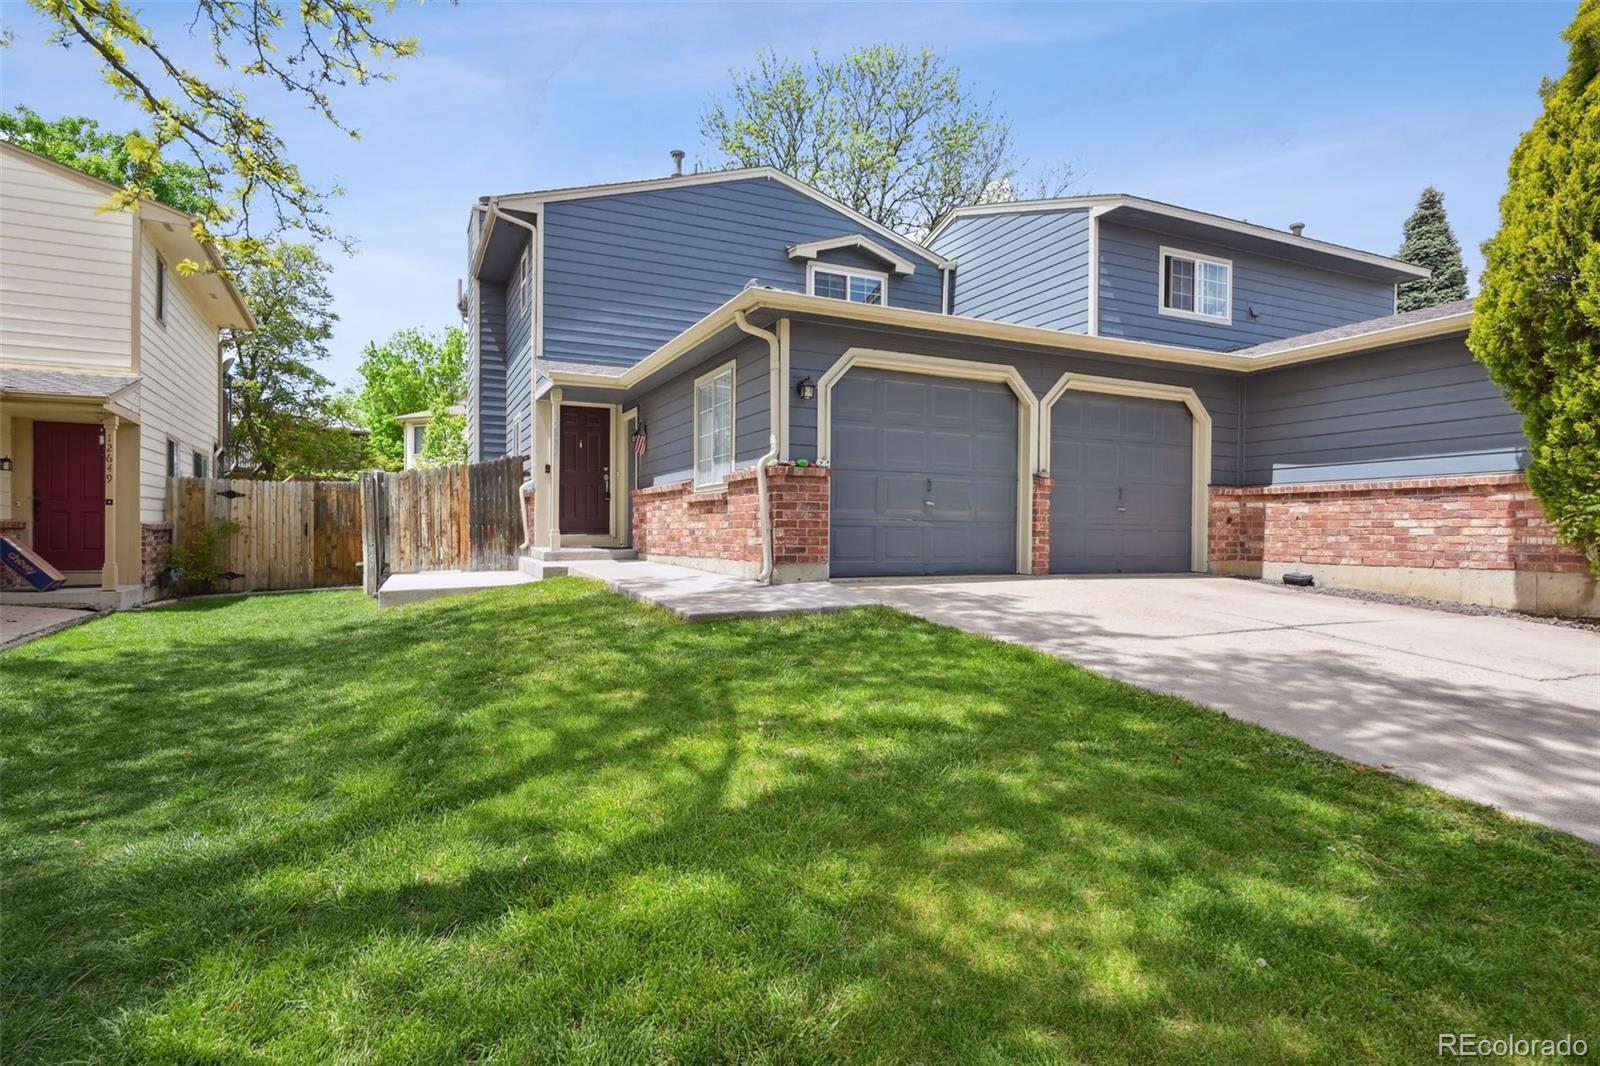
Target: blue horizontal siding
1424,410
1031,268
519,374
486,404
1288,298
626,273
667,413
814,347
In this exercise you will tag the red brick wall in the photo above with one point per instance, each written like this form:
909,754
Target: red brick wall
723,524
1486,522
1040,538
799,498
154,540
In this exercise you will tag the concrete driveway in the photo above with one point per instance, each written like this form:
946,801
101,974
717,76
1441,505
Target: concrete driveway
1499,710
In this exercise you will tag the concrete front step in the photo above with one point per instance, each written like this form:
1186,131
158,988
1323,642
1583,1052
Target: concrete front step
399,589
573,555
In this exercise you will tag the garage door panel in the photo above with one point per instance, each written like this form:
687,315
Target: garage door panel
1121,495
924,438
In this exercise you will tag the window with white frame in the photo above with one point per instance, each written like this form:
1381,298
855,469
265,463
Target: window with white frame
713,426
161,289
847,283
1196,286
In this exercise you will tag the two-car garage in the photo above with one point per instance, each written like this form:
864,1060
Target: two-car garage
925,477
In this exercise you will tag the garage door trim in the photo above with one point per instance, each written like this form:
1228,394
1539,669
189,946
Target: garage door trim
1200,420
1028,419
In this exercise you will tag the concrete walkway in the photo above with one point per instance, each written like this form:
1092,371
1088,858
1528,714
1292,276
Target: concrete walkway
21,623
700,596
1499,710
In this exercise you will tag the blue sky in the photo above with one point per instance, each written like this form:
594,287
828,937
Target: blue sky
1335,115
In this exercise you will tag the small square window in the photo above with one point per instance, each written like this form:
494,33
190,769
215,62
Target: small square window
1196,286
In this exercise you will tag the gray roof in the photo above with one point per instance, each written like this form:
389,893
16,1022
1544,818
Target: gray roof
1358,329
63,383
610,370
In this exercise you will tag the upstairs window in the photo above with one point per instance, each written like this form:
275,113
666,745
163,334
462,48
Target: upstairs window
1196,286
844,283
418,435
199,462
161,289
713,426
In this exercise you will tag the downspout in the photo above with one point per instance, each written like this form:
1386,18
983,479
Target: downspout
776,397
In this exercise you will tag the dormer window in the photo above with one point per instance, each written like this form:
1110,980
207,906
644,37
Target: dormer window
1196,286
848,283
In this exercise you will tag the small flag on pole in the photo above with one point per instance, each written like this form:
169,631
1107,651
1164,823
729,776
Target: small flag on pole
640,439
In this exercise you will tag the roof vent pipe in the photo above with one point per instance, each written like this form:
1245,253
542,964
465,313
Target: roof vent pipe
1297,228
677,162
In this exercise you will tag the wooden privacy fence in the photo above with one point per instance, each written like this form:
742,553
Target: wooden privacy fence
288,535
467,517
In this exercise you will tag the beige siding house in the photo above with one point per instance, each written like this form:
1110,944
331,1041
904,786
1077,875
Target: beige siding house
414,428
110,376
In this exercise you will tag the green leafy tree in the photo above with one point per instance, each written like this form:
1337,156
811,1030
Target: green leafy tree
284,419
1429,242
887,130
445,442
251,188
79,143
413,370
1536,324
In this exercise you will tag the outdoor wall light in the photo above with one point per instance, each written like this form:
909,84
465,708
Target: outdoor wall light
806,390
5,463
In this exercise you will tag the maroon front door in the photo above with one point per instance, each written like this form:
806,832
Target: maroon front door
585,470
69,510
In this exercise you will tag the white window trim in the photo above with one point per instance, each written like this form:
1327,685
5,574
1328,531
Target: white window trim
729,368
814,266
1226,318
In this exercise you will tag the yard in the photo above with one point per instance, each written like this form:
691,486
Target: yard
546,824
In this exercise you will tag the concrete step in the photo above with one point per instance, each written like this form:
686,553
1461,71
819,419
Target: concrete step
570,555
538,569
413,588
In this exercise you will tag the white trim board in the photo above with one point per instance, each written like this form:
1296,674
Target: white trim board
1200,443
964,369
1110,201
811,249
532,200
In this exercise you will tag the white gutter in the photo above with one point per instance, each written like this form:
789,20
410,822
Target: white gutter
765,576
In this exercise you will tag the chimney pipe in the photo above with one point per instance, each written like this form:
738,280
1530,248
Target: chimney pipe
1297,228
677,162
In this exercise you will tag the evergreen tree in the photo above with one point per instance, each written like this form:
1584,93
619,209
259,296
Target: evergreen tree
1536,324
1430,243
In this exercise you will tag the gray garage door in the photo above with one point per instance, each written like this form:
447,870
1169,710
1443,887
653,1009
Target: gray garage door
1120,501
924,476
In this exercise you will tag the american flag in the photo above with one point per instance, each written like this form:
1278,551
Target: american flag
640,439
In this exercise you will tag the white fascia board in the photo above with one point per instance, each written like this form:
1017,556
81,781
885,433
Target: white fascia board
899,264
789,303
1202,218
532,200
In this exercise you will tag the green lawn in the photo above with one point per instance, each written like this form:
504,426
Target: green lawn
546,824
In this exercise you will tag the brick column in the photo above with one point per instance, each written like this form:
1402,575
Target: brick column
1039,539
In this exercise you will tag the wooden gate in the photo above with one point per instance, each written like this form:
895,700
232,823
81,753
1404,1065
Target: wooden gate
287,535
466,517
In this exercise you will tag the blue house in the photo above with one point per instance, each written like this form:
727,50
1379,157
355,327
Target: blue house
732,371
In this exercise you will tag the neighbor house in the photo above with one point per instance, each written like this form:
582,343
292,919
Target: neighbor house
414,431
1098,384
110,376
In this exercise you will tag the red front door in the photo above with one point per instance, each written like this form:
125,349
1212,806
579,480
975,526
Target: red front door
69,510
585,470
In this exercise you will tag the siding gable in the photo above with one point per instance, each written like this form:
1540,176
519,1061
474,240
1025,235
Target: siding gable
1031,268
625,273
1288,298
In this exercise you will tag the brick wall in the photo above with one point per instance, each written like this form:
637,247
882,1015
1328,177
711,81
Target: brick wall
154,540
1490,522
1039,555
722,526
